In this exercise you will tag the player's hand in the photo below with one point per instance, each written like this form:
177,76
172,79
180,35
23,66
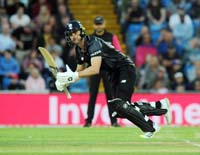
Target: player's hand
67,77
60,86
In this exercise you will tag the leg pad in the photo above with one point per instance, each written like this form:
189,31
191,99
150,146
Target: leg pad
128,111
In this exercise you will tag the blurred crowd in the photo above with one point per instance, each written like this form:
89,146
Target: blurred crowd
162,38
25,25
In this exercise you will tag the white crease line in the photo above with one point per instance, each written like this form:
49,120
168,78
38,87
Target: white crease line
194,144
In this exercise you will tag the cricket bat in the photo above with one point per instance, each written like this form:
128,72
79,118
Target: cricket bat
52,65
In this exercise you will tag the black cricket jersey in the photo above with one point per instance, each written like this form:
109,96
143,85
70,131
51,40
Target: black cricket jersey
107,36
112,59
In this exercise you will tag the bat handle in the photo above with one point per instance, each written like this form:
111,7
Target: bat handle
67,93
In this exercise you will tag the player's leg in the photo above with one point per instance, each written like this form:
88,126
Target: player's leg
125,90
109,96
148,109
164,104
93,91
122,106
126,110
156,108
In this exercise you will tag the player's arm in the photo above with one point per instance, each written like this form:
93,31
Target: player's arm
80,68
71,77
93,69
95,64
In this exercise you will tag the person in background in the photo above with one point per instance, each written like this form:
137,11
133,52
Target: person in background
6,41
181,23
179,83
35,82
134,15
20,19
195,84
94,81
9,69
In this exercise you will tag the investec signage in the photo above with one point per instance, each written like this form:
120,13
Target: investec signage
55,109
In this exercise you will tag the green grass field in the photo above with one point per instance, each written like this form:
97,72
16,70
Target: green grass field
98,141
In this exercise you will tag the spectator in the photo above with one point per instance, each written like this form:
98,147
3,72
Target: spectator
135,14
3,21
181,24
53,46
43,38
9,69
163,77
192,51
179,16
191,68
159,87
154,71
62,12
195,84
195,15
35,8
195,11
179,84
25,37
132,25
35,82
156,14
174,4
144,31
19,19
166,39
42,18
171,61
6,41
143,51
12,6
2,8
121,9
32,58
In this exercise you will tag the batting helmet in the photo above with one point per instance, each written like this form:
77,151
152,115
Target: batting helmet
71,27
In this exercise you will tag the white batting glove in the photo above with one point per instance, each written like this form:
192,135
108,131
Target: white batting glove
67,77
68,69
60,86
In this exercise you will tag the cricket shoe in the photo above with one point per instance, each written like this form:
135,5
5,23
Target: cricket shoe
151,134
165,104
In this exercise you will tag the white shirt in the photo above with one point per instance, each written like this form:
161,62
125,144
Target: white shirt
23,21
6,42
174,19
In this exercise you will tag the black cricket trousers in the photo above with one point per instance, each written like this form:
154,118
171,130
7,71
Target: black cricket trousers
93,91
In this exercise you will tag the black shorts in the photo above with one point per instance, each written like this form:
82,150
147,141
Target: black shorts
123,83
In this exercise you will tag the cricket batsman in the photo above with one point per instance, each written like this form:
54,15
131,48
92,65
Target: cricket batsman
101,56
